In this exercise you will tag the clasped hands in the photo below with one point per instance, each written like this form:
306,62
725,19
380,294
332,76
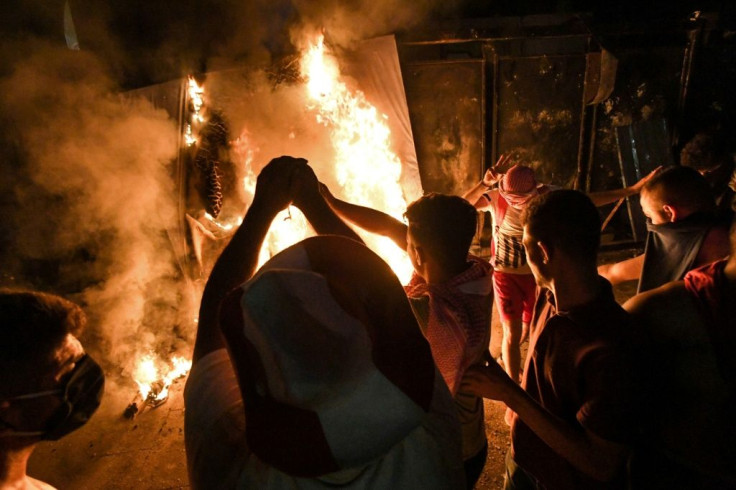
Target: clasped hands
286,180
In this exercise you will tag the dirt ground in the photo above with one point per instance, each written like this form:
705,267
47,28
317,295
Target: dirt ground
113,452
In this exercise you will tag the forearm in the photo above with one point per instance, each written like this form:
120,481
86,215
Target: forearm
236,264
626,270
371,220
591,455
474,194
602,198
324,220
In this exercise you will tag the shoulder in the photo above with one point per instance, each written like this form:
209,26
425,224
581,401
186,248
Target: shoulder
668,308
543,188
33,484
716,244
657,298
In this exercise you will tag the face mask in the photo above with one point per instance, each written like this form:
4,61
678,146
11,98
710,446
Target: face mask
80,396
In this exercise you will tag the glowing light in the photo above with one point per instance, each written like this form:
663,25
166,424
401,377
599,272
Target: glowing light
154,378
196,97
366,167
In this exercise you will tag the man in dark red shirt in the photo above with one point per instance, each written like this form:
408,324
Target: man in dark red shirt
689,334
573,413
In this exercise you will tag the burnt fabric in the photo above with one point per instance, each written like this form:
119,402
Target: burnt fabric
337,382
671,249
578,369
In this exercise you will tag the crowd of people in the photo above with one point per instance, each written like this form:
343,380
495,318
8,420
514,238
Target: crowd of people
320,370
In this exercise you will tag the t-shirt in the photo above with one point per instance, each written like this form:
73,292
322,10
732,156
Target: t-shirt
218,456
509,255
578,369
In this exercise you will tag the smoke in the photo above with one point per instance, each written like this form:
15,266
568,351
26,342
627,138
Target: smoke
348,21
90,199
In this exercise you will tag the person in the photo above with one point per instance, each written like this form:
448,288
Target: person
688,341
685,231
514,287
49,386
707,153
312,372
573,420
450,293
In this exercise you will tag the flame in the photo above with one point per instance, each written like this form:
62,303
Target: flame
196,97
365,166
154,379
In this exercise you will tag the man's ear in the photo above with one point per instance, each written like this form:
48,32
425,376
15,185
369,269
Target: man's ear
421,255
546,252
671,212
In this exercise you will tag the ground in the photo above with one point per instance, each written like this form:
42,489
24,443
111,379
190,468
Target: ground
147,452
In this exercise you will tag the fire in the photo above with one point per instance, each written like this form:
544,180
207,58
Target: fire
196,97
365,166
154,379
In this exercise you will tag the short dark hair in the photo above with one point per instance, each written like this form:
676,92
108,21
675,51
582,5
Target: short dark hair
704,151
443,224
32,326
567,220
681,186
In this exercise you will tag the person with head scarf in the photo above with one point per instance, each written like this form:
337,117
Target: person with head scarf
312,372
450,293
515,291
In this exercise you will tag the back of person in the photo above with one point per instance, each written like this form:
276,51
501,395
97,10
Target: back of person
335,385
686,366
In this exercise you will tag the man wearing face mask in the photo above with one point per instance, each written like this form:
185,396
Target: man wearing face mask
49,386
685,230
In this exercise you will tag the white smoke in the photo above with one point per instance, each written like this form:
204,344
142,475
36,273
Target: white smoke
93,198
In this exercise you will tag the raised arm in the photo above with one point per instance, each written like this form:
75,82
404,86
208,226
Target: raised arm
474,195
601,198
321,216
594,456
239,260
369,219
626,270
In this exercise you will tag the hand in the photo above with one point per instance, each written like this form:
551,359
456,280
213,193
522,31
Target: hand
495,173
305,188
274,184
489,381
326,193
638,186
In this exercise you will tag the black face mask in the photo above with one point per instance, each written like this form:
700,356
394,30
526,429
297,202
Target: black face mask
80,396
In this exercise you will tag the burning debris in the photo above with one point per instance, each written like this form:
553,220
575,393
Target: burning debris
154,381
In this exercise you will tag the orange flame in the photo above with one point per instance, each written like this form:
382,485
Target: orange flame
365,166
196,97
154,379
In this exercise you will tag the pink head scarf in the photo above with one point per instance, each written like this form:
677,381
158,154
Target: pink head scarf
518,186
